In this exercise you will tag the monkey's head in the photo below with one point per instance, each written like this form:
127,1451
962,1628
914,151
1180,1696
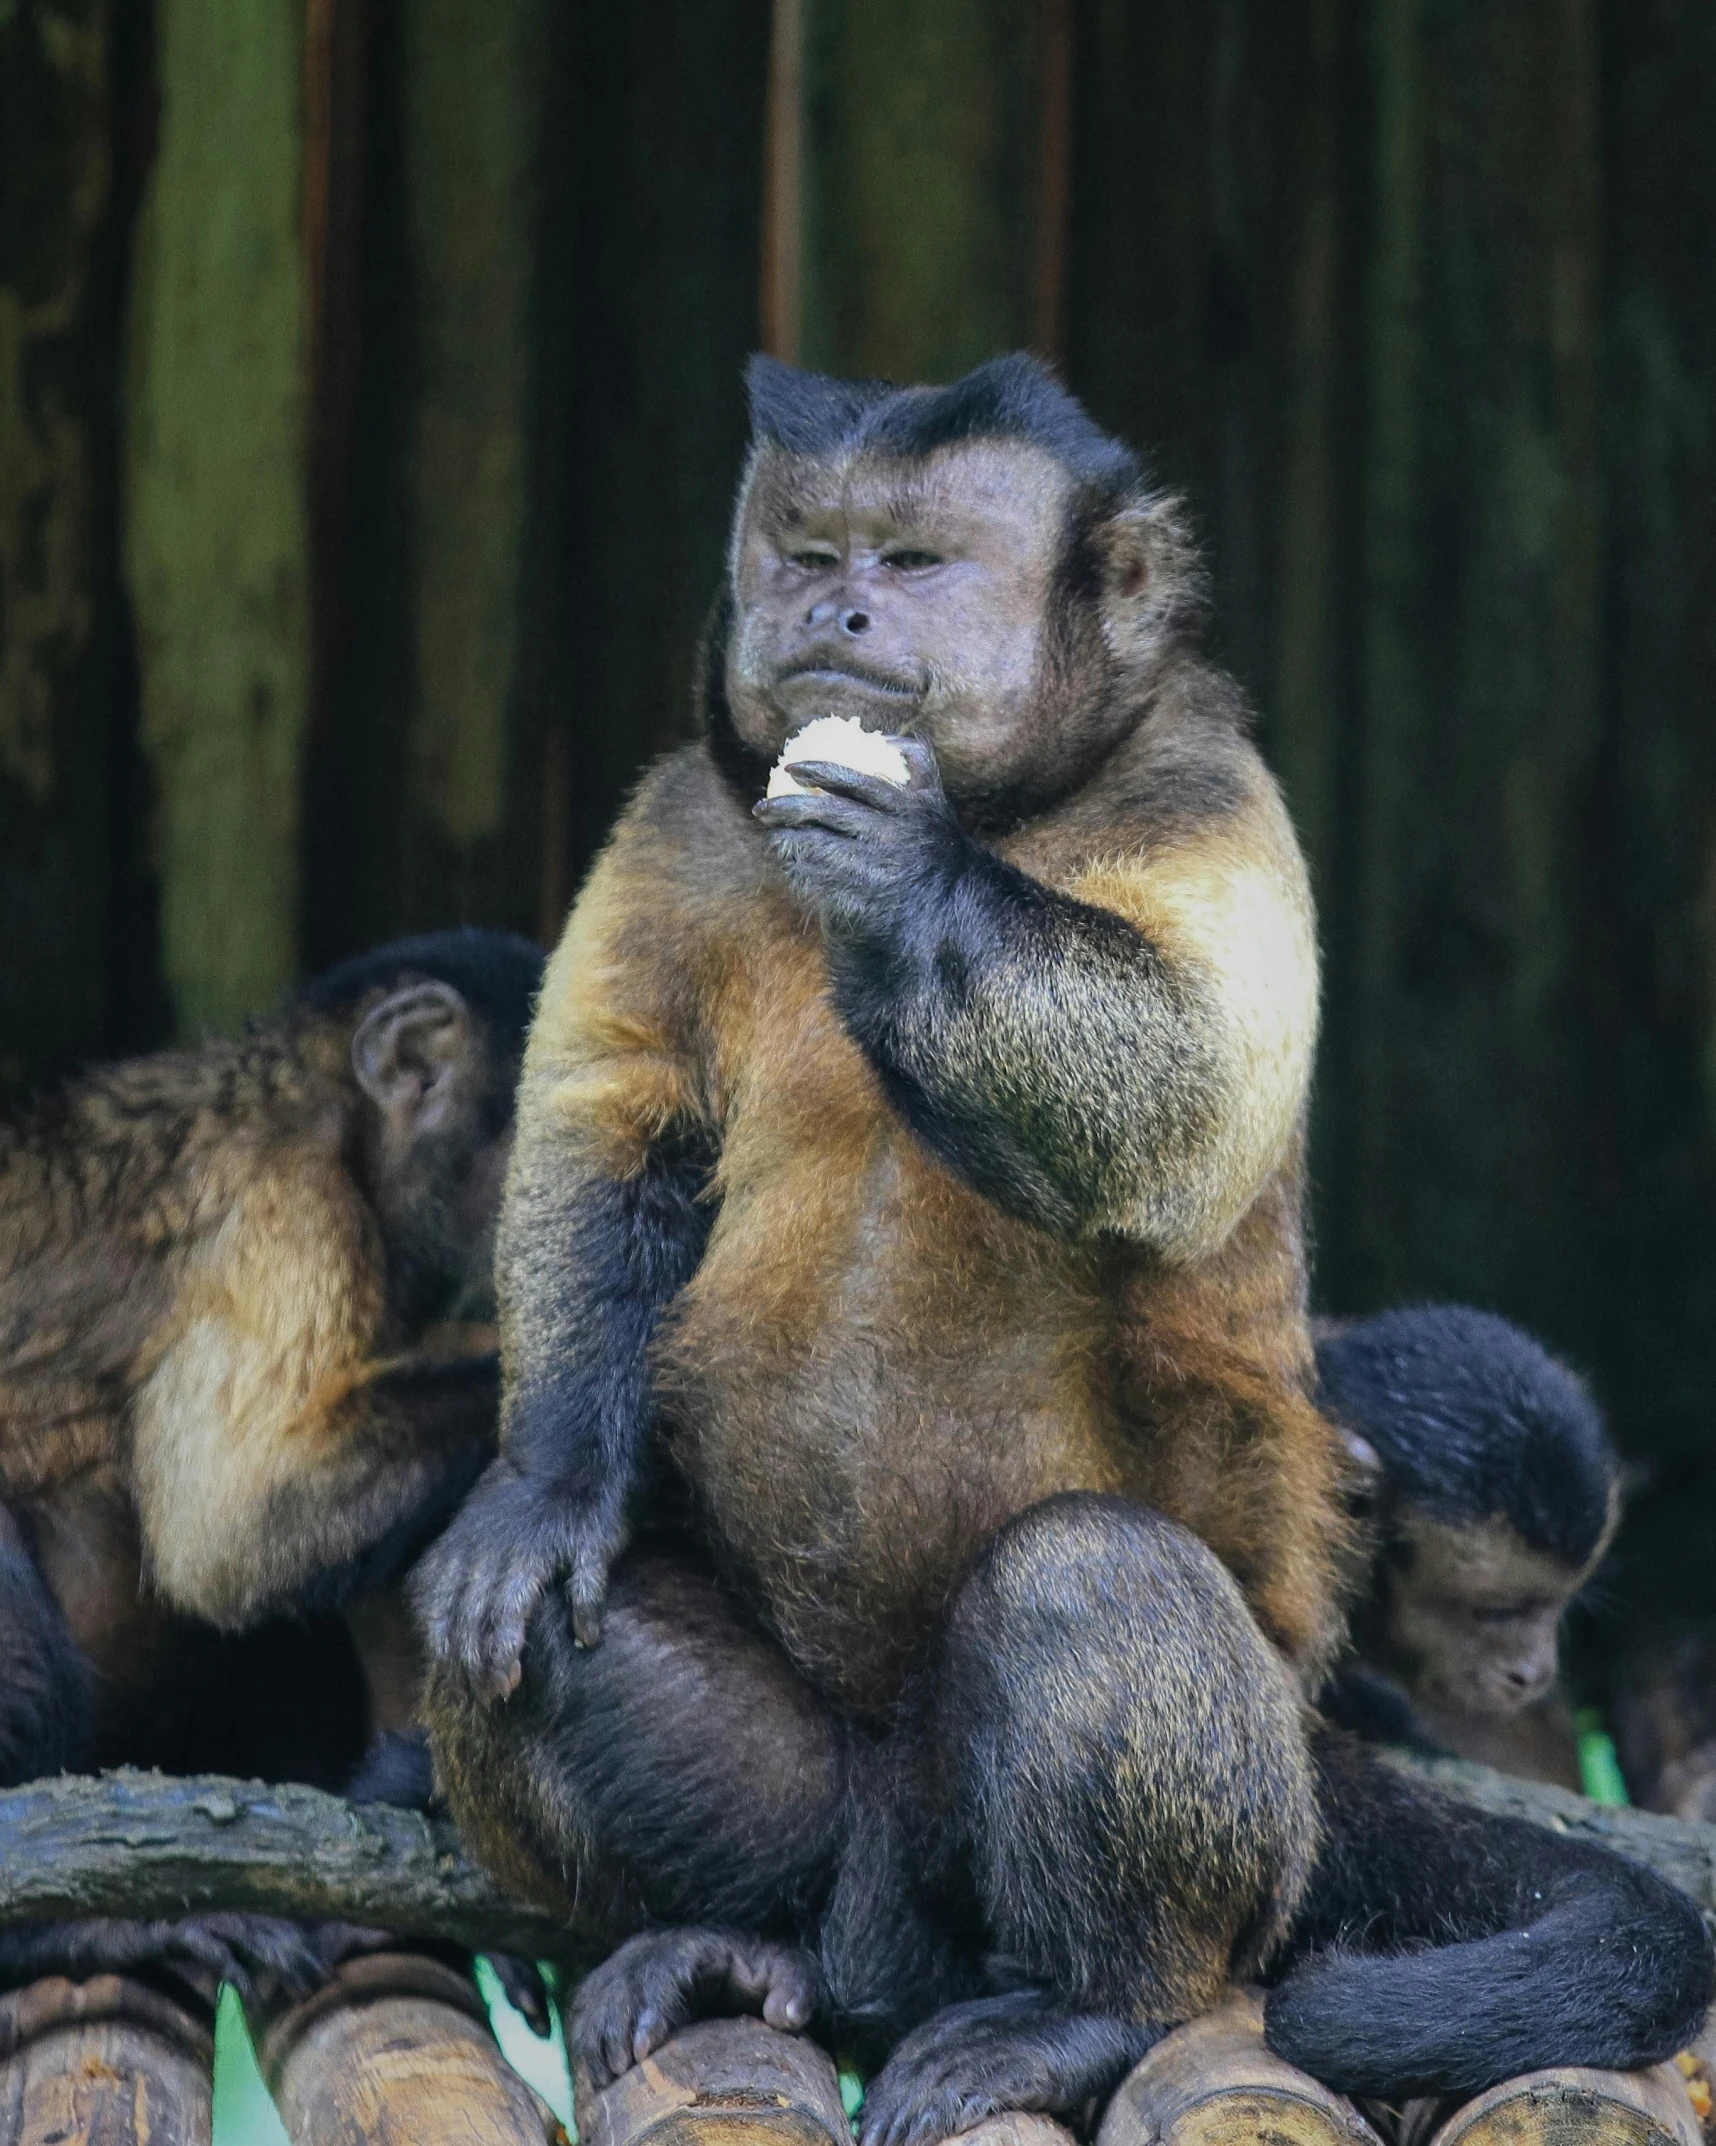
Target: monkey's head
1499,1494
437,1036
979,565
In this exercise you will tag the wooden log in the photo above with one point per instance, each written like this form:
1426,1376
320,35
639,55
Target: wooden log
1214,2083
102,2063
149,1845
723,2082
1017,2127
396,2051
1569,2107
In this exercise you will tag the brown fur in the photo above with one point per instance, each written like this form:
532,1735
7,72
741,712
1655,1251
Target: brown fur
194,1313
874,1367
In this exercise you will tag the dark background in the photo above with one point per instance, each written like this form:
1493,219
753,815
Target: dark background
370,412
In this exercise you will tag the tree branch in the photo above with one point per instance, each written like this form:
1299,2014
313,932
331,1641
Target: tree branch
147,1845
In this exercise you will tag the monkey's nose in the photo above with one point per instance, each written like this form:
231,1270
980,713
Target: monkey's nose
855,622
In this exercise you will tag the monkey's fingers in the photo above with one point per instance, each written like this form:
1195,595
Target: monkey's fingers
525,1990
587,1592
831,778
920,759
816,808
781,1981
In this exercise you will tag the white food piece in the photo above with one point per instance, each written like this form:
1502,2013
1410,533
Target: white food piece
843,740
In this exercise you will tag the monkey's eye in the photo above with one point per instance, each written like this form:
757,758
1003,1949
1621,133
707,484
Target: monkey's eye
814,562
912,562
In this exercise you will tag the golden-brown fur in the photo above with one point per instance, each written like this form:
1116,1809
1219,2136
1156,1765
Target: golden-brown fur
857,1304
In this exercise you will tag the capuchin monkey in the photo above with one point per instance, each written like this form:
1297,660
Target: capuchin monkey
247,1370
913,1536
1496,1496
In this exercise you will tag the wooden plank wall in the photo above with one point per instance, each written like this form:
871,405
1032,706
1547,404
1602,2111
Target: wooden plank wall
1415,298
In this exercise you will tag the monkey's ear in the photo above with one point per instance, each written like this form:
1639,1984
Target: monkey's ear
412,1054
1150,572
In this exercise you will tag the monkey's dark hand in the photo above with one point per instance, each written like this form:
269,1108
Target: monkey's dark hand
859,850
475,1590
659,1982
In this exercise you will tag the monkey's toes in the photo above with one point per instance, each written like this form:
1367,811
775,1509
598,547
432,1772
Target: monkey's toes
661,1981
977,2060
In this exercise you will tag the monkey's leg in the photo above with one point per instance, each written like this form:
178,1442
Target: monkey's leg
1117,1751
679,1772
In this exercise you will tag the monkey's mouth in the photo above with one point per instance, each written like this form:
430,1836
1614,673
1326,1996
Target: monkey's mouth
818,673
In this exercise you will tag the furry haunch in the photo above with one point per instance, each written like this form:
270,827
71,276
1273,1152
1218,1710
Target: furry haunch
913,1533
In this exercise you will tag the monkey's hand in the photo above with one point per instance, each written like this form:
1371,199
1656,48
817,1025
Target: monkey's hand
514,1539
862,852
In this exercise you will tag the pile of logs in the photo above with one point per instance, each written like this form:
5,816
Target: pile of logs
397,2050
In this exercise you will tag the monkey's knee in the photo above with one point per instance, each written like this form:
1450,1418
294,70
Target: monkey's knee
1131,1766
679,1767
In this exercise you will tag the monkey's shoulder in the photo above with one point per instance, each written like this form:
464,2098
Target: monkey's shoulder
1189,774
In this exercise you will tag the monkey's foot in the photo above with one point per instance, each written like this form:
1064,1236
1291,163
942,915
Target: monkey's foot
724,2082
257,1954
1215,2082
659,1982
975,2061
1566,2107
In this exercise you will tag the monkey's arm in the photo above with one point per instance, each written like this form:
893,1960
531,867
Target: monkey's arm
603,1223
1128,1054
278,1457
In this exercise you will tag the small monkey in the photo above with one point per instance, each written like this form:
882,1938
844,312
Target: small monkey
1496,1496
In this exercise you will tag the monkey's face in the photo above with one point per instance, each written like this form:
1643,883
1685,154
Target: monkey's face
1472,1614
921,597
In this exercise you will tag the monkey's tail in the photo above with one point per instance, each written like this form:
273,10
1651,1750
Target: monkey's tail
1441,1949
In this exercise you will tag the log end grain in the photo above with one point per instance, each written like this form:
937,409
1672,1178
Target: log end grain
1572,2107
723,2082
1215,2083
105,2062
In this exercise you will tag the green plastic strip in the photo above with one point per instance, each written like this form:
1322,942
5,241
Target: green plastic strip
1599,1769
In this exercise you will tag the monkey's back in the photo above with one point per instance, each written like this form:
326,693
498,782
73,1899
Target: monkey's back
103,1189
874,1366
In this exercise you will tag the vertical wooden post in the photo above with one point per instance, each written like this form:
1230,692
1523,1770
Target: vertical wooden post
217,522
1054,177
782,296
920,203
